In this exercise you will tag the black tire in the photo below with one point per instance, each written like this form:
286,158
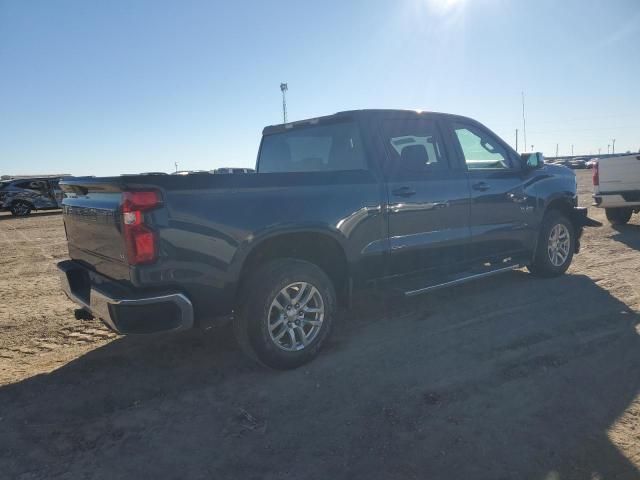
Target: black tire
618,216
20,208
251,325
543,265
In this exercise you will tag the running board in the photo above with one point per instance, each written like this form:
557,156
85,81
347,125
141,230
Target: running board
459,281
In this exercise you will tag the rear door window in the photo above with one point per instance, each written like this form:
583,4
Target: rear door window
321,148
28,185
413,147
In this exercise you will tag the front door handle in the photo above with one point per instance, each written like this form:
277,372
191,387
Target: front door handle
404,192
481,186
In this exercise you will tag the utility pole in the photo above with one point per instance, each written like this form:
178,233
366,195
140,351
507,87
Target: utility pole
572,149
599,151
556,151
283,88
613,148
516,139
608,147
524,124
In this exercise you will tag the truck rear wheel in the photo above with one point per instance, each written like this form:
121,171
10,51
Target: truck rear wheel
556,245
286,313
618,216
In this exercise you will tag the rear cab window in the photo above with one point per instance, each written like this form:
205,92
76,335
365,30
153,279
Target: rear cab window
317,148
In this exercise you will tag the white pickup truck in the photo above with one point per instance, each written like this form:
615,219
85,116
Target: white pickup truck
616,183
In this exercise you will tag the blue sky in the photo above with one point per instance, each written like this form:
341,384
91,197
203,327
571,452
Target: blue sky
109,87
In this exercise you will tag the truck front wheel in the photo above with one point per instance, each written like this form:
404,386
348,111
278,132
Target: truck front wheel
618,216
286,313
556,245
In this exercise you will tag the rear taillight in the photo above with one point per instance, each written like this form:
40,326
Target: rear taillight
140,240
596,174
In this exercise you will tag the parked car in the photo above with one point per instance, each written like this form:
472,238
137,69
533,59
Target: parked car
577,163
616,182
400,201
191,172
231,170
562,162
23,195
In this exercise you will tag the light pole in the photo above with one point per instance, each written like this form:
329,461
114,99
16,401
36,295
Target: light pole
608,147
572,149
613,147
524,124
283,88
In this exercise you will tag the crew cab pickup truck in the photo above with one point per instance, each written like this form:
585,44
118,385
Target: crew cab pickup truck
616,183
402,201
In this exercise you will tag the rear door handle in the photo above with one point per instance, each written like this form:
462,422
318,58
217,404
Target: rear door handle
404,192
481,186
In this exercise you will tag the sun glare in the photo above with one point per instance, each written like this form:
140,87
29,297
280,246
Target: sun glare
445,5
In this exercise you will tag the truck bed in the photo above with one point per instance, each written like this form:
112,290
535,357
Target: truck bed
207,224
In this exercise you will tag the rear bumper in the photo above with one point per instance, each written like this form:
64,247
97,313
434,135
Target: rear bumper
617,199
122,310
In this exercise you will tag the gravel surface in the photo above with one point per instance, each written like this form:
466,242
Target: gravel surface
511,377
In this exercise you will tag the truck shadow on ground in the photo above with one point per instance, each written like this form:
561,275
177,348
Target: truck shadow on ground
628,234
513,377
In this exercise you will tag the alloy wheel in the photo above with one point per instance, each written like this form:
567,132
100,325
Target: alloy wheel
559,244
295,316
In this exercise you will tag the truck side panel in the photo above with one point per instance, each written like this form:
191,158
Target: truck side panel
207,227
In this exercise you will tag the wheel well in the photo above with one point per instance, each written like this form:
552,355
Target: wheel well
317,248
562,206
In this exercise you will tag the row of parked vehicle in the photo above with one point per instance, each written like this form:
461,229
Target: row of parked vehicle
574,163
21,196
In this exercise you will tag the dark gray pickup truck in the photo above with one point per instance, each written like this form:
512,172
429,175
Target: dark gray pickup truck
401,201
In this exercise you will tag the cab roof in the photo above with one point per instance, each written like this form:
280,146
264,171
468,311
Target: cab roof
365,114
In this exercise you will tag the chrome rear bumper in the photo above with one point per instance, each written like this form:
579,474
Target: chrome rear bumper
123,311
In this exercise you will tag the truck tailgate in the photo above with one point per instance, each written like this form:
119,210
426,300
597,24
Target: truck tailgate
619,174
92,220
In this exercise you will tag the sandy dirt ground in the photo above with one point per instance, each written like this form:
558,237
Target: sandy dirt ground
512,377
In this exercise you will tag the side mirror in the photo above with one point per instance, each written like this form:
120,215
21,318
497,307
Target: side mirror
532,161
